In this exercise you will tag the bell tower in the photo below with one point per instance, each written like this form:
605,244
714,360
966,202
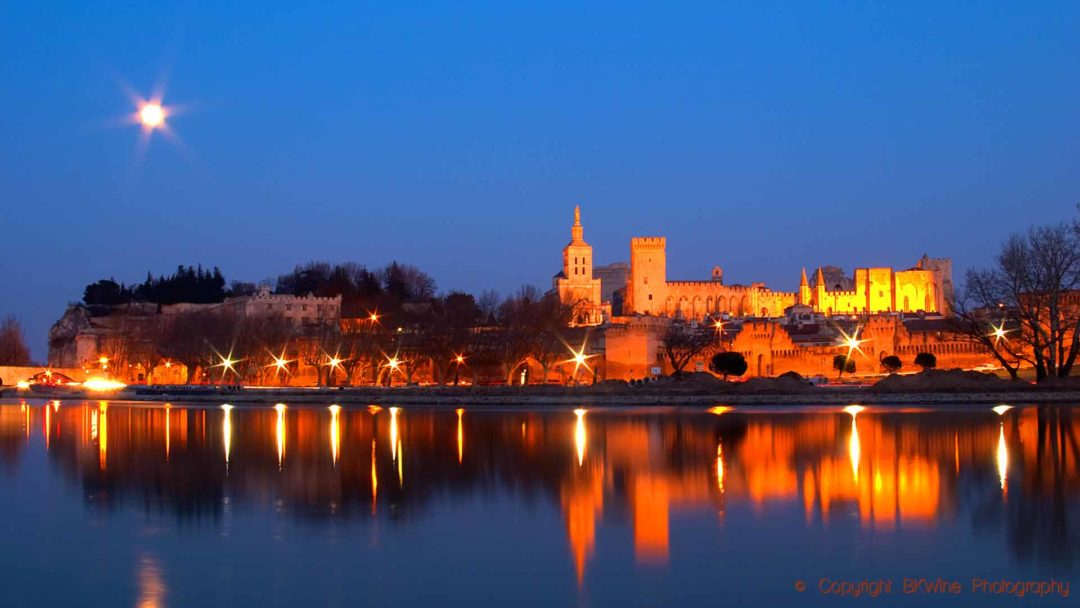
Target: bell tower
575,284
577,255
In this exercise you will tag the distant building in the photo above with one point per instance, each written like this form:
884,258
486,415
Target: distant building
85,334
926,288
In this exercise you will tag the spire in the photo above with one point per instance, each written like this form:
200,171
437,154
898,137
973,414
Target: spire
803,282
577,232
820,278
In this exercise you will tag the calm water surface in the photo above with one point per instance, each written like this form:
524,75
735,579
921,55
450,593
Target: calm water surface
175,505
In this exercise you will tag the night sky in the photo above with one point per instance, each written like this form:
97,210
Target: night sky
458,137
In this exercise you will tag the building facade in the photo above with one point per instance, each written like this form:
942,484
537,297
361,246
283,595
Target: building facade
926,288
575,284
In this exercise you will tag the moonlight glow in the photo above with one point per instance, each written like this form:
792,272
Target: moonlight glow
152,115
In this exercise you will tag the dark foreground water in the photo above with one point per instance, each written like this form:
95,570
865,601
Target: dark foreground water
107,504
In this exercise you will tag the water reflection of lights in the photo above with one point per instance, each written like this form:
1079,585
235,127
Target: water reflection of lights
168,407
1001,409
854,448
374,477
103,434
279,429
460,436
47,427
335,432
395,444
580,437
226,432
393,431
720,467
151,583
1002,457
854,410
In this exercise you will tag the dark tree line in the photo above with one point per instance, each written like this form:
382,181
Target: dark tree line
192,284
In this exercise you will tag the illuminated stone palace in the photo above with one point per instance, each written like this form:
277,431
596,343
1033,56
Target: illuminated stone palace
922,289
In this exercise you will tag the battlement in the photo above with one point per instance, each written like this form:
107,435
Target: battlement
648,243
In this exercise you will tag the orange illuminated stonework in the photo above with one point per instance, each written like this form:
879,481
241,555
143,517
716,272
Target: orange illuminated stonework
575,284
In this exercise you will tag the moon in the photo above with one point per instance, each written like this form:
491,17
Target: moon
152,115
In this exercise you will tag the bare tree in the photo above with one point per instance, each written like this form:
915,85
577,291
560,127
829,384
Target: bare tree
683,341
142,336
1034,283
548,320
13,349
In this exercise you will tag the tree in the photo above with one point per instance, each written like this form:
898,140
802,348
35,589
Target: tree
683,341
187,338
548,319
143,338
1034,284
13,349
843,363
728,363
512,342
106,292
926,361
892,364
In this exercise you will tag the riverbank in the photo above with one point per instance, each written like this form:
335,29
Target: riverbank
928,388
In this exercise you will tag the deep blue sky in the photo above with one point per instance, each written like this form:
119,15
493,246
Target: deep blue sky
458,137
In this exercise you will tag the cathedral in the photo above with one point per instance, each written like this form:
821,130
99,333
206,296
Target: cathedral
925,288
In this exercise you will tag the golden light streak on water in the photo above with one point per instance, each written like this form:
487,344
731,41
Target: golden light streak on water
394,432
335,433
1002,458
151,583
580,437
168,408
956,450
374,477
103,435
226,432
460,436
400,466
46,429
854,448
720,467
279,432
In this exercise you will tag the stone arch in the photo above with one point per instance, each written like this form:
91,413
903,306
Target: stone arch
696,309
744,303
669,307
709,305
760,364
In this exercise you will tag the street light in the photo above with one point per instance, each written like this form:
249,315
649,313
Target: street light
459,359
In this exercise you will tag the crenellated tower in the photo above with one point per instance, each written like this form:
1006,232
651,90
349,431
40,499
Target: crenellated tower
647,291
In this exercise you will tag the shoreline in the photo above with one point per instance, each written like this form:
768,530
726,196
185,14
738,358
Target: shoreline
505,396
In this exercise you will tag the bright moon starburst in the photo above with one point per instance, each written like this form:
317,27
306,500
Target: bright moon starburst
152,115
